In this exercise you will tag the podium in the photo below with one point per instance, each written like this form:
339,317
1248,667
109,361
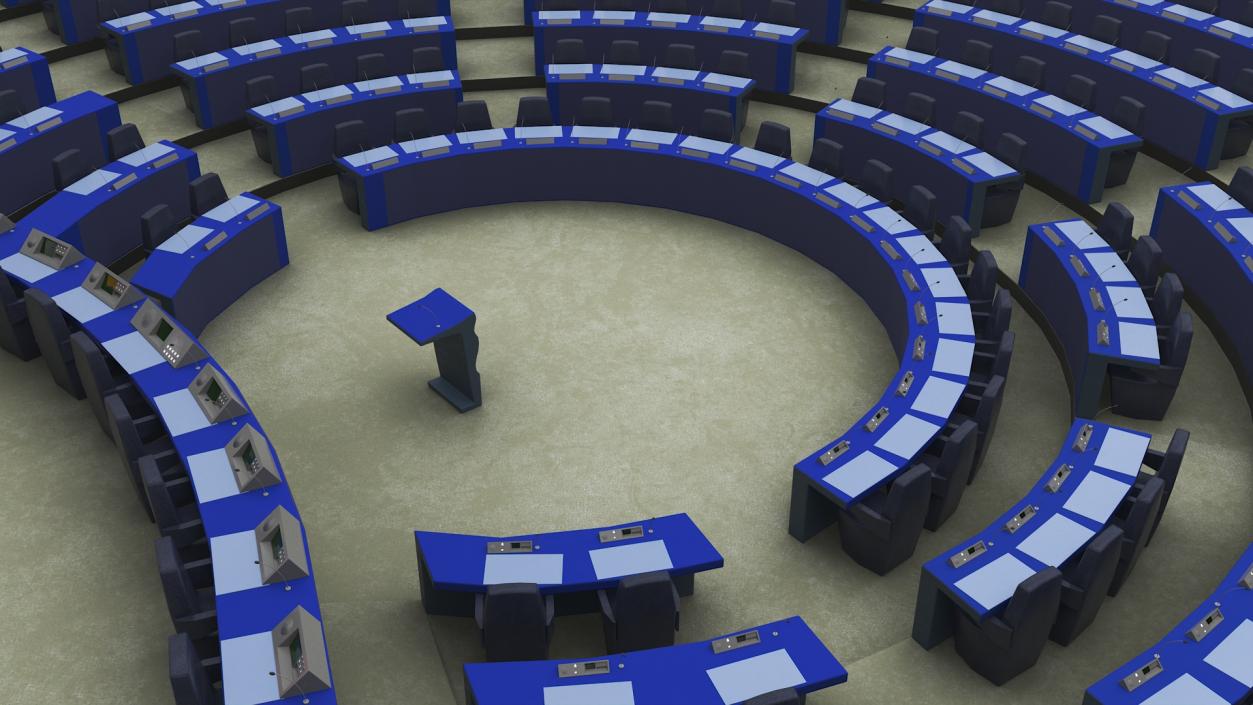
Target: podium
440,318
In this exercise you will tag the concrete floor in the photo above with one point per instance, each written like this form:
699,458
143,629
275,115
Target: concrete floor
635,362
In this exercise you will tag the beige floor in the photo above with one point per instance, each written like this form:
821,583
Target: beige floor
635,362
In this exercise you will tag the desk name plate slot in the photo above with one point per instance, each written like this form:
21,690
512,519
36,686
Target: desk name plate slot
583,668
1247,581
1102,333
910,281
731,643
1201,629
1058,479
510,546
626,532
1078,265
879,417
1142,675
920,348
1021,518
907,381
887,246
835,451
977,549
920,313
1085,435
1224,232
1098,301
1053,236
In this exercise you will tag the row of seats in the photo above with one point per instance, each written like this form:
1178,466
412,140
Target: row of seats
627,51
778,11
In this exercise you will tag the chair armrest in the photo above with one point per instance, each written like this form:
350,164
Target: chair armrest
1072,595
200,572
998,632
606,609
478,610
874,522
939,485
550,609
1153,458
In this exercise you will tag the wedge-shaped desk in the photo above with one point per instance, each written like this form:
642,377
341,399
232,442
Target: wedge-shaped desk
299,131
724,671
823,19
958,173
1206,237
1070,504
689,93
216,81
248,606
1206,660
26,72
1069,147
28,144
1184,115
771,48
99,213
1091,301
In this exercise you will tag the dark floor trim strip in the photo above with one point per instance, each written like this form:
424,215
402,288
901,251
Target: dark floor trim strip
196,139
288,183
143,89
506,32
884,9
70,51
12,13
861,57
512,83
787,100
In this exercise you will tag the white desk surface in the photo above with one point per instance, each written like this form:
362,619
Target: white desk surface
1097,496
617,693
995,582
1122,452
212,476
1185,690
247,665
538,568
953,357
180,412
1055,540
26,268
235,564
907,436
133,352
741,680
938,397
859,473
630,559
1234,654
81,304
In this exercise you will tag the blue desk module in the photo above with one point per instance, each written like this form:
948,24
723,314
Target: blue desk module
1206,238
241,492
959,174
1073,501
26,72
29,142
1070,147
1092,302
689,93
440,318
1184,115
771,48
300,130
215,81
1206,660
727,670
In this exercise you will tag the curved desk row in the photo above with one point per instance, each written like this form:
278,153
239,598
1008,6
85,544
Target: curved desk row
26,72
243,499
771,48
299,131
216,82
1091,301
959,174
689,93
571,565
724,671
1206,660
29,143
1206,238
1072,502
100,213
1071,147
823,19
1188,29
1184,115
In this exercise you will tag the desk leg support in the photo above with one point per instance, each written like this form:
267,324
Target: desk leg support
809,512
458,380
685,584
1089,386
933,613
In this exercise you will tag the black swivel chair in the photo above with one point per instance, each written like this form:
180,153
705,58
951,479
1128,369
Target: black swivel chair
955,243
919,107
101,378
417,8
1145,263
784,696
595,111
1165,465
410,124
1008,7
641,613
1135,517
989,363
533,111
1080,90
371,66
982,291
1203,64
355,12
924,40
69,166
1085,582
728,8
187,44
782,12
52,336
243,31
1116,228
920,205
1106,29
16,335
1030,71
774,138
949,458
138,434
188,587
681,56
195,670
733,63
1242,186
881,531
1002,199
426,59
991,318
1147,393
123,140
1129,115
297,20
977,54
1056,14
983,406
676,6
870,91
624,51
569,51
207,193
826,156
1000,647
967,127
173,503
515,622
259,90
876,180
1166,301
350,137
472,115
657,115
315,77
156,226
717,125
1155,45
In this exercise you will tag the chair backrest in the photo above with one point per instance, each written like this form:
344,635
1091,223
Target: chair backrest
870,91
1128,113
1242,186
923,39
959,450
1029,70
681,56
1203,64
371,66
1106,29
1080,90
981,285
624,51
1210,6
1145,261
955,242
717,125
259,90
782,12
69,166
512,611
1098,560
967,127
733,63
427,59
908,495
1008,7
998,318
156,225
728,8
990,402
164,512
355,12
1116,227
207,193
351,136
569,51
1246,17
876,179
1004,354
1143,510
188,677
1178,341
826,156
472,115
679,6
1167,299
657,115
417,8
919,107
594,110
10,105
977,54
1155,45
1034,604
1172,459
297,20
123,140
1056,14
774,138
533,110
411,124
187,44
920,207
315,77
48,323
646,602
93,370
1011,149
243,31
181,597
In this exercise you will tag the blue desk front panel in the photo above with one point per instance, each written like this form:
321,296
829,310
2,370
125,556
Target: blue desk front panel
216,80
1092,302
28,144
823,19
788,654
1069,147
1184,115
300,130
959,174
1216,670
689,93
1100,476
26,72
771,48
1207,239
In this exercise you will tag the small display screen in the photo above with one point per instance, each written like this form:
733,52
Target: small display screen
214,393
51,248
111,285
277,546
250,457
163,330
297,654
